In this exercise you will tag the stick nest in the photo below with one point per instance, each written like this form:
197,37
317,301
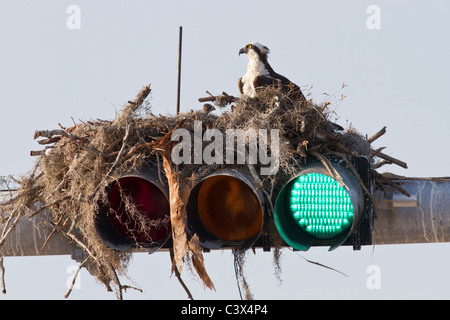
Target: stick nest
78,163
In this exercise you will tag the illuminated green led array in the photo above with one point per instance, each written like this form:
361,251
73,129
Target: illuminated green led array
320,205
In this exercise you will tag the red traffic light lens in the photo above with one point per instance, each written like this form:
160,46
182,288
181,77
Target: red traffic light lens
139,210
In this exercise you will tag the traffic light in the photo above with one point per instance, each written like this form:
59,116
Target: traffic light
315,209
137,213
226,209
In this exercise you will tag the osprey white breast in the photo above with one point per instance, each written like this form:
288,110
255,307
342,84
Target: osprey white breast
255,68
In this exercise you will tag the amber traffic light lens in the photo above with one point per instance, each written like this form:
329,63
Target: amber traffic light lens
229,208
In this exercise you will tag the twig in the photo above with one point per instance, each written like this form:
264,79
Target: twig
393,160
178,275
260,183
141,96
11,225
236,274
322,265
211,98
380,164
64,133
53,232
49,140
390,183
37,153
116,162
125,287
356,174
117,281
68,235
342,148
40,209
13,199
122,287
2,276
63,180
80,139
132,106
239,274
327,164
224,97
377,152
48,133
69,291
377,135
159,170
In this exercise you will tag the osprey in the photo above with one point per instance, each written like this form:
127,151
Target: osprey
260,73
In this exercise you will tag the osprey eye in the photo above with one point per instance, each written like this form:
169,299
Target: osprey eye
249,46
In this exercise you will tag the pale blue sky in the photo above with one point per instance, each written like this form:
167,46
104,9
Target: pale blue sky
397,76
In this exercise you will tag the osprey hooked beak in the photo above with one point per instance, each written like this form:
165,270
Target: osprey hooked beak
255,46
246,48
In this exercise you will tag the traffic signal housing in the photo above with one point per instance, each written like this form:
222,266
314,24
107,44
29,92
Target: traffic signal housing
136,213
326,207
226,209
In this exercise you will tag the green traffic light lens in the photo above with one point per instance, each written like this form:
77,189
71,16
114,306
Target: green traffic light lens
320,205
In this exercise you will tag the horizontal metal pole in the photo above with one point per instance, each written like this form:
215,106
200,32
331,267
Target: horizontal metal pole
424,217
28,238
30,235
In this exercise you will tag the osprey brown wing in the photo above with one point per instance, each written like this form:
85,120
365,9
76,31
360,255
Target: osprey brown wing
260,74
292,90
241,85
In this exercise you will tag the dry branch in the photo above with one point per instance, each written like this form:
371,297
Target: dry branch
221,100
69,291
377,135
48,133
377,152
393,160
121,286
2,276
133,106
327,164
116,162
37,153
48,206
10,225
141,96
356,174
178,275
390,183
322,265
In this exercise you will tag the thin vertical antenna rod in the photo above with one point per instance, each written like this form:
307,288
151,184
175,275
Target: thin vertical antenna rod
180,40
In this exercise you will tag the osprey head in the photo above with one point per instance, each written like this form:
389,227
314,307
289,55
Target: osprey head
255,48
